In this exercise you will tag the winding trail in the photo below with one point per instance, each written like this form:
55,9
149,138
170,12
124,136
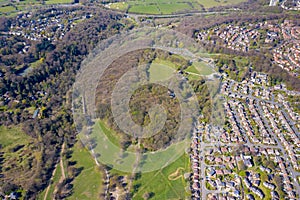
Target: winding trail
48,188
63,175
176,175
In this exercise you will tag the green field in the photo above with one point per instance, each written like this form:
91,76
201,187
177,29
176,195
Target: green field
58,1
7,9
159,184
88,184
12,136
166,63
160,72
200,68
166,183
119,6
133,6
173,7
214,3
193,77
111,135
168,6
148,9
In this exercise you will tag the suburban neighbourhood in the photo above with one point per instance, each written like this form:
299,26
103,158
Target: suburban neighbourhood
282,38
256,154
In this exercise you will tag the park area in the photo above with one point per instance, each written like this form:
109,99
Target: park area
167,183
165,7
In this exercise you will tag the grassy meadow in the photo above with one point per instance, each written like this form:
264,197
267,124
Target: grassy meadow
168,6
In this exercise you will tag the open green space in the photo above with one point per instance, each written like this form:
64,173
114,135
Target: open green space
7,9
214,3
110,134
192,69
147,9
173,7
58,1
168,6
12,136
119,6
167,183
54,182
160,72
88,184
200,68
193,77
166,63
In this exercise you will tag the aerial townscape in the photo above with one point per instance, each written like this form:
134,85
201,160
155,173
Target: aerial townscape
67,65
258,144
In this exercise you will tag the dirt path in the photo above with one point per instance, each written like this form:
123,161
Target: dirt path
48,188
62,163
176,175
53,173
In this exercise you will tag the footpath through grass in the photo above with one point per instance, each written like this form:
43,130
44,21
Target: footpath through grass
54,182
88,184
